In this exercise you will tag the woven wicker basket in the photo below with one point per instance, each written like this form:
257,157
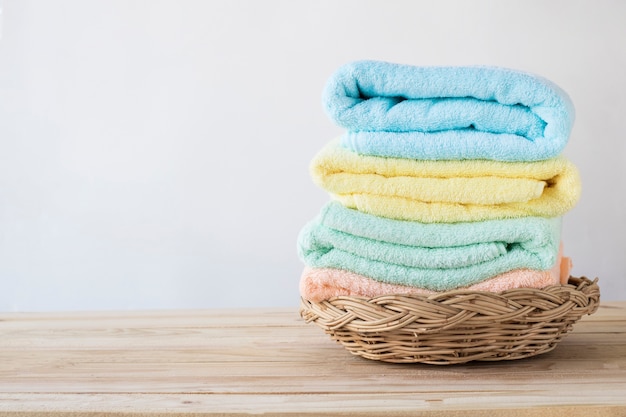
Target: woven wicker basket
455,326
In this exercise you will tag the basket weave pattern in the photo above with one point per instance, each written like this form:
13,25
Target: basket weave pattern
455,326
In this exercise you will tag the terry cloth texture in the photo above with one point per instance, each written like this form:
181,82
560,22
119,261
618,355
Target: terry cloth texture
318,284
437,256
448,112
446,191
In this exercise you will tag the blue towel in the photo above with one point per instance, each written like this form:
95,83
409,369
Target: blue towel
433,113
434,256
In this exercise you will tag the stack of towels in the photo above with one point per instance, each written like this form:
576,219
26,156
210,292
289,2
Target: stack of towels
445,178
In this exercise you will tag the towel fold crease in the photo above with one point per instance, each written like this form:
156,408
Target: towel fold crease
446,191
435,256
448,112
318,284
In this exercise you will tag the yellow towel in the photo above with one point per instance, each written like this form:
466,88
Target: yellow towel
446,190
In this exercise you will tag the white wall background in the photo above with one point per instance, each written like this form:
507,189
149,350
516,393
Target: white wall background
154,154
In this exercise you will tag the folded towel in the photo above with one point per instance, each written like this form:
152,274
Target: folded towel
434,256
448,112
317,284
446,191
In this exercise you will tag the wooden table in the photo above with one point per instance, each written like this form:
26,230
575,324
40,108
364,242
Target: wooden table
241,362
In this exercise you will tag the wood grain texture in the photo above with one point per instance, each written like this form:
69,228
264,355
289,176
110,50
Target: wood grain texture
242,362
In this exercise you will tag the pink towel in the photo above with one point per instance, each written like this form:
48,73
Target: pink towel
317,284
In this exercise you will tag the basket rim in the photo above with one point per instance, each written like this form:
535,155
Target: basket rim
456,326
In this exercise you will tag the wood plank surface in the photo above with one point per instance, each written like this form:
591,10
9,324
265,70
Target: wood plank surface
268,361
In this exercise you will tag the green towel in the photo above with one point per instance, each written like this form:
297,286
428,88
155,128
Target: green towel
433,256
